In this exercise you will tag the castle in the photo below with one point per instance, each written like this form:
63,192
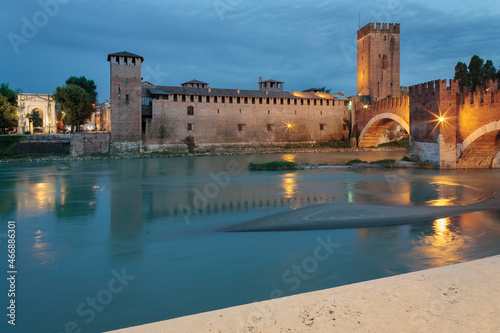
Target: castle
154,118
449,127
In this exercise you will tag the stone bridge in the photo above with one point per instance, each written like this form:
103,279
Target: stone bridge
374,120
449,128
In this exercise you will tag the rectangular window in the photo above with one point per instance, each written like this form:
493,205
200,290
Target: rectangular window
267,100
282,101
191,98
301,102
208,99
253,100
215,99
246,100
147,101
321,127
289,101
175,98
165,97
321,102
200,99
275,100
327,103
238,100
190,111
223,99
308,102
240,127
260,100
294,102
183,98
190,127
230,100
314,102
269,127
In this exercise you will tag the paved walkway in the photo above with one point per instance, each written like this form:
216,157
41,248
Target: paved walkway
457,298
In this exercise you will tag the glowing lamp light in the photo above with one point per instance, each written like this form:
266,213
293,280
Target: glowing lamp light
365,106
441,119
289,125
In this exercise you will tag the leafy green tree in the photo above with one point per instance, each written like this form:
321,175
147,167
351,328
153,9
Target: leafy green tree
476,72
462,75
9,93
489,71
34,117
323,89
8,114
77,101
88,85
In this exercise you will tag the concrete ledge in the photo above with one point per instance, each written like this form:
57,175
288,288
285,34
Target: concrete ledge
457,298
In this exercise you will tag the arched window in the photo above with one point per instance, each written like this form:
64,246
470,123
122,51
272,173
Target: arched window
190,110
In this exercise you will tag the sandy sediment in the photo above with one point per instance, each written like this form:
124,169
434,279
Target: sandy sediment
457,298
349,215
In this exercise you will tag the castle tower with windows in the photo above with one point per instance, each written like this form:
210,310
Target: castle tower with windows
379,61
125,102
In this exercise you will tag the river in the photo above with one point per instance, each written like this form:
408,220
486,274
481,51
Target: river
108,244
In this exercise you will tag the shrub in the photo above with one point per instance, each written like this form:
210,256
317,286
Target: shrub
276,165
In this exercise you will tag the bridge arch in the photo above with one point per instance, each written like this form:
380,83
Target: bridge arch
376,127
481,147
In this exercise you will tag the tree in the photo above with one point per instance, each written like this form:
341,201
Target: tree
35,118
323,89
88,85
489,71
476,72
10,94
76,105
77,101
8,114
462,75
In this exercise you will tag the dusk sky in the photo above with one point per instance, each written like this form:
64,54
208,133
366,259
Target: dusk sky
230,43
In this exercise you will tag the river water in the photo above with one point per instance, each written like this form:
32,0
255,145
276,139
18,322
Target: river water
108,244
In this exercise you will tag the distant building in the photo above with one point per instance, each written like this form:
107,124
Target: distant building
46,108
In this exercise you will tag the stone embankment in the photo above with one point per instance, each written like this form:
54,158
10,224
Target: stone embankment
246,151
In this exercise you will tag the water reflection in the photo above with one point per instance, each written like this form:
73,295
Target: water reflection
289,185
451,240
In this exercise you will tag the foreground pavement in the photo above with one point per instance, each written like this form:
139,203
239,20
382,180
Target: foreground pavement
457,298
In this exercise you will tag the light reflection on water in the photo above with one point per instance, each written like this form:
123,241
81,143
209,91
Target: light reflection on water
79,220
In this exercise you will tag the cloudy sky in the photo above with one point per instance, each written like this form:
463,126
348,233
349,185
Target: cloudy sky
230,43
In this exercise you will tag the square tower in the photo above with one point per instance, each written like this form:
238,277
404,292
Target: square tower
125,99
378,61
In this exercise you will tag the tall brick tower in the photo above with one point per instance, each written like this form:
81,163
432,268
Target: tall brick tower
378,61
125,101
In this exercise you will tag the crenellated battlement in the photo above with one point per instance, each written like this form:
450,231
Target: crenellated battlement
391,28
405,91
488,94
390,103
435,87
